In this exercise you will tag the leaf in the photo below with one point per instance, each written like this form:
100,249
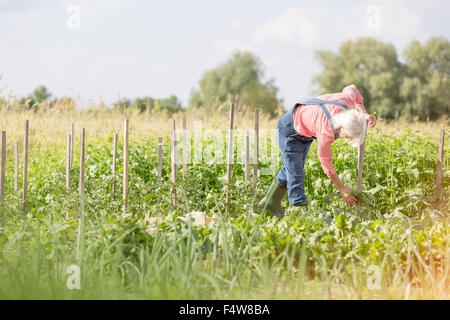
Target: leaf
318,184
340,219
364,198
376,189
413,173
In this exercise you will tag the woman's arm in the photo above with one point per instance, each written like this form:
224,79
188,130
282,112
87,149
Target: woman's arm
357,98
325,156
361,108
370,117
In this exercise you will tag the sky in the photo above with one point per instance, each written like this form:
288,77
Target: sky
103,50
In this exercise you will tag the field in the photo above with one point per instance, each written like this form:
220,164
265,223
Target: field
398,249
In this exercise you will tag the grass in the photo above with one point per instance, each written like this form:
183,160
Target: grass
319,252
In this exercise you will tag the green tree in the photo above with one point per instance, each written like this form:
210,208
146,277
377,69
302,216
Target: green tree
41,94
416,89
145,103
239,79
372,66
170,104
122,104
425,89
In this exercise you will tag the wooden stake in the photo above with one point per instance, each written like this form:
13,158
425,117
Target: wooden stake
125,164
360,166
3,163
185,144
160,152
230,157
174,165
82,168
2,177
16,166
255,156
80,236
72,134
198,142
247,156
113,187
25,168
440,161
68,159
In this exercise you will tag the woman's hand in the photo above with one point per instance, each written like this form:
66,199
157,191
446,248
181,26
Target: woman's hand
349,199
371,118
343,189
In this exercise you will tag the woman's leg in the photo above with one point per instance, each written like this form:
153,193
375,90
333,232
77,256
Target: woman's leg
281,178
293,153
292,174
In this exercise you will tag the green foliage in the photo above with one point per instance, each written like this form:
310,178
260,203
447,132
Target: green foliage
242,255
149,104
364,198
425,89
240,79
39,95
370,64
417,88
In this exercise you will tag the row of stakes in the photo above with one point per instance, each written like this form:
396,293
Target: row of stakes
174,161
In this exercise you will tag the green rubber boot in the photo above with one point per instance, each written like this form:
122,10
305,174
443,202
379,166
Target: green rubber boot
272,200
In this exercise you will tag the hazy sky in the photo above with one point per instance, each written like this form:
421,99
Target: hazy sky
132,48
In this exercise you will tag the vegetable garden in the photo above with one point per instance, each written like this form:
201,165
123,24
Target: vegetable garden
397,248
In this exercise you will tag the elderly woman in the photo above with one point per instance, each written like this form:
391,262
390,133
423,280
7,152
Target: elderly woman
325,118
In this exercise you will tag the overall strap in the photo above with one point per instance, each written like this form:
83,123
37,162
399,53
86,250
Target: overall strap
322,103
327,113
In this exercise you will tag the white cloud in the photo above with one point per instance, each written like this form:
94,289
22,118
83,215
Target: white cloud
401,22
295,26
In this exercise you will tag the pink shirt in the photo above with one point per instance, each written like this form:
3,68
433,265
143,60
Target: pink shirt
311,121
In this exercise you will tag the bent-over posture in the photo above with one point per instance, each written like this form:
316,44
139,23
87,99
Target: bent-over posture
325,118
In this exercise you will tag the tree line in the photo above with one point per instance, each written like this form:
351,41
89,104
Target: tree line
416,88
41,98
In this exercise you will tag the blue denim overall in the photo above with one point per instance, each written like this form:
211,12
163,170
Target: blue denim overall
294,149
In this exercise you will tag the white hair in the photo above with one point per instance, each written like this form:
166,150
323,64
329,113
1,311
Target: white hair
353,124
